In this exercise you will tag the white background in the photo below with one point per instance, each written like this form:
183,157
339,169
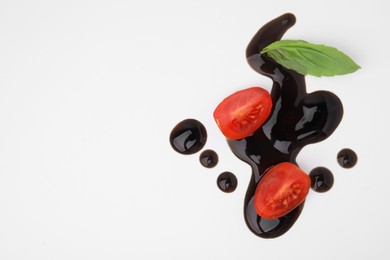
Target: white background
89,91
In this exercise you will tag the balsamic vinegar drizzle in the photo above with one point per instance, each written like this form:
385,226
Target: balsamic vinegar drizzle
298,118
227,182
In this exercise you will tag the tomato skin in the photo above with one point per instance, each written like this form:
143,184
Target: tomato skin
243,112
280,190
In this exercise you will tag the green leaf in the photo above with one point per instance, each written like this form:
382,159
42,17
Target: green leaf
308,58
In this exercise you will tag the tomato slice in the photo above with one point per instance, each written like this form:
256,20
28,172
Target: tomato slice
243,112
281,189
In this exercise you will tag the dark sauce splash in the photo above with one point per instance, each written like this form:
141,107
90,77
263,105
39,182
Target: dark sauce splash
298,118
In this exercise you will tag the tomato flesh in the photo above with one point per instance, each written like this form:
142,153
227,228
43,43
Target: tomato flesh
281,189
243,112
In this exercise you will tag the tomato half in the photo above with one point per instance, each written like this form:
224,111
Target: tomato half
243,112
281,189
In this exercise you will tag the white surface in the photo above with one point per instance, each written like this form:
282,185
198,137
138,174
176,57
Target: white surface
89,91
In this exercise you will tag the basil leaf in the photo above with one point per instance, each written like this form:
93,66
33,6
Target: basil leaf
308,58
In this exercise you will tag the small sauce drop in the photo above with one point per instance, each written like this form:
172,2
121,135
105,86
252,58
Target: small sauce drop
321,179
208,158
188,137
227,182
347,158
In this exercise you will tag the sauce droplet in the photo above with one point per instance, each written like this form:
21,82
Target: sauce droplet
188,137
347,158
208,158
321,179
227,182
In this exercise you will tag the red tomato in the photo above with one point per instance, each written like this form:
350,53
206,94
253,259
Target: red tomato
243,112
281,189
